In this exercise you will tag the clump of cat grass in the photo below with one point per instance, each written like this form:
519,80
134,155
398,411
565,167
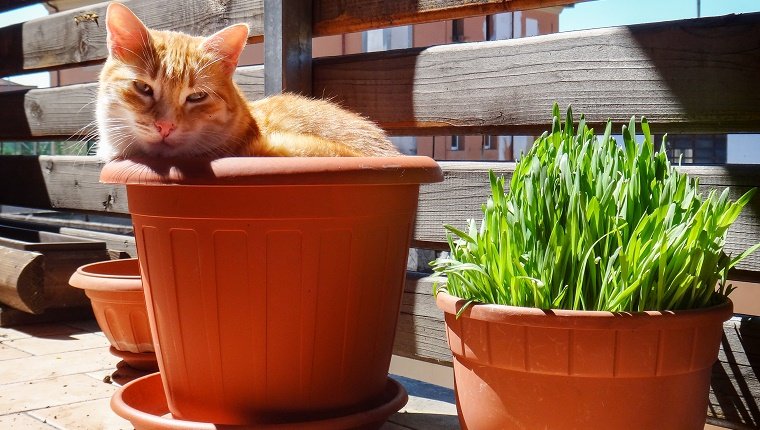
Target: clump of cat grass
588,224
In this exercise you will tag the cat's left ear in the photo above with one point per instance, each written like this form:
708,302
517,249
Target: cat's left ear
228,44
127,35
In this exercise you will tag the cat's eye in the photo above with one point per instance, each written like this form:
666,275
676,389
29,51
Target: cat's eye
142,88
196,97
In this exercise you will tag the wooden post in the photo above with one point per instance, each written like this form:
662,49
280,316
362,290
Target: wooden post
287,46
21,280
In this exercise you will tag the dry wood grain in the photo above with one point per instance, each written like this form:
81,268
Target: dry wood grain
78,36
21,280
340,16
72,183
691,75
465,188
70,111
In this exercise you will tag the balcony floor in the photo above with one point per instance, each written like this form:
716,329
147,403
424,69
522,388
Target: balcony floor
61,376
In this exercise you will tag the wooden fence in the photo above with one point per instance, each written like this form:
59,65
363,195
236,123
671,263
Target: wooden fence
697,75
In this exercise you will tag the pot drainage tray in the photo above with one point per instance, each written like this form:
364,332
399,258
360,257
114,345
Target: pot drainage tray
144,404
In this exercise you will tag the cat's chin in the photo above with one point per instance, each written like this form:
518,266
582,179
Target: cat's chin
162,149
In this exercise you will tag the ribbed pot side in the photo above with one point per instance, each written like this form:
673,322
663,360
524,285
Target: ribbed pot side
524,368
116,294
273,299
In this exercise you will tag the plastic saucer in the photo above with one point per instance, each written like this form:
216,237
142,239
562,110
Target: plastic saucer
144,404
138,360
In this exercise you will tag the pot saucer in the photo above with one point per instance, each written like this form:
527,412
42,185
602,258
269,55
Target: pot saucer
145,361
143,403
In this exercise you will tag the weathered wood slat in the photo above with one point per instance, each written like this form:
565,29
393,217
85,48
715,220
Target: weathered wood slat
684,76
691,75
735,390
465,188
340,16
21,280
78,36
58,182
70,111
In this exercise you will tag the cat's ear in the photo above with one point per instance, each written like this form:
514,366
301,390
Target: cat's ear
127,35
227,44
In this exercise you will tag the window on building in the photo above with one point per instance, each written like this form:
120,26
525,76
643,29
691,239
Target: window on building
384,39
696,148
499,26
457,143
457,30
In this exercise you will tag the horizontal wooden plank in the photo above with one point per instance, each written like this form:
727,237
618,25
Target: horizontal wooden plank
465,188
340,16
734,391
58,182
78,36
70,111
684,76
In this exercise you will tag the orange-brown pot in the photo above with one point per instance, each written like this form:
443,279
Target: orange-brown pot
273,284
526,368
118,302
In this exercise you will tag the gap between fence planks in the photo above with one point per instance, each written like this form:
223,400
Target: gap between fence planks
684,76
77,36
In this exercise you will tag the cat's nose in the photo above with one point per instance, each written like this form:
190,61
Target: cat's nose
164,127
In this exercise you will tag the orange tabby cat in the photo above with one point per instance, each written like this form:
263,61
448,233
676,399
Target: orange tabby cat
165,93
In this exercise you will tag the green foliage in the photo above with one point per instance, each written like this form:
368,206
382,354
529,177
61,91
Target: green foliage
589,224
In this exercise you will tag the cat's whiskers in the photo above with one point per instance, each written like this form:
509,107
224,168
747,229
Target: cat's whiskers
200,73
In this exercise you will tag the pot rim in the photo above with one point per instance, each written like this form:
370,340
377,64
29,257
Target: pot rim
273,171
563,318
111,275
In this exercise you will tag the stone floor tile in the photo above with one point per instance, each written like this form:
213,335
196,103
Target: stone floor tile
53,344
90,326
89,415
37,330
8,353
50,392
51,365
22,421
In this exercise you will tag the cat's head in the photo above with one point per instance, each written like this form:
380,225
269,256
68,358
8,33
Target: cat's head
164,93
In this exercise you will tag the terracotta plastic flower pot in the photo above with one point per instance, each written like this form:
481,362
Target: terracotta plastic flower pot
525,368
273,284
118,302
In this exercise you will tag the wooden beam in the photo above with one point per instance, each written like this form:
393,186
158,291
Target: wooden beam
695,75
465,188
59,182
684,76
340,16
70,111
78,36
21,280
287,46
